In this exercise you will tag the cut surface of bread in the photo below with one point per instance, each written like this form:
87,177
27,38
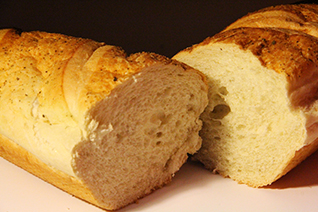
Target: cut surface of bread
261,119
92,121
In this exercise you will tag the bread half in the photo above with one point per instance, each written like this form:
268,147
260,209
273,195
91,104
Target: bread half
92,121
262,117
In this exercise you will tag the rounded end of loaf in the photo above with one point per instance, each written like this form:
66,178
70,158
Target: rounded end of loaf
141,133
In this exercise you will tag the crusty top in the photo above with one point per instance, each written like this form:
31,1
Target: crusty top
288,52
306,12
37,60
68,74
292,14
302,17
106,68
53,59
48,83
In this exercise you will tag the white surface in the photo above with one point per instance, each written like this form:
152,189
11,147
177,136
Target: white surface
192,189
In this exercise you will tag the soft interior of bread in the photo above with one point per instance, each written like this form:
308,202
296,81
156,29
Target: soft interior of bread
141,134
250,130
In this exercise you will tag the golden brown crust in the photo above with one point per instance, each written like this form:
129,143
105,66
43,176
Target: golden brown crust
50,55
49,52
47,55
306,12
292,17
302,17
110,68
287,52
284,51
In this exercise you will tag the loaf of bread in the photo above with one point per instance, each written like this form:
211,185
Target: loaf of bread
102,126
262,116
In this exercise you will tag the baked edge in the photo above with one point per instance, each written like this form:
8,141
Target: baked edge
20,157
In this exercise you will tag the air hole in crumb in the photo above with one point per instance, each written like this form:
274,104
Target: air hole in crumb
190,108
220,111
149,131
166,119
119,138
223,90
168,163
157,117
178,123
158,143
217,138
159,134
240,127
167,92
216,98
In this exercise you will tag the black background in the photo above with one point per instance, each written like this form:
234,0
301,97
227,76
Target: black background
161,26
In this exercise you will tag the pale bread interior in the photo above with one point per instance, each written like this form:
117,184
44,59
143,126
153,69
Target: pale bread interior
250,131
142,133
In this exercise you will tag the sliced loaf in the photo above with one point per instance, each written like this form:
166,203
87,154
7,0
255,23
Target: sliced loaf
83,116
262,116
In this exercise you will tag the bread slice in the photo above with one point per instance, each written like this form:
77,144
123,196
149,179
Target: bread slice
86,118
299,17
262,117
